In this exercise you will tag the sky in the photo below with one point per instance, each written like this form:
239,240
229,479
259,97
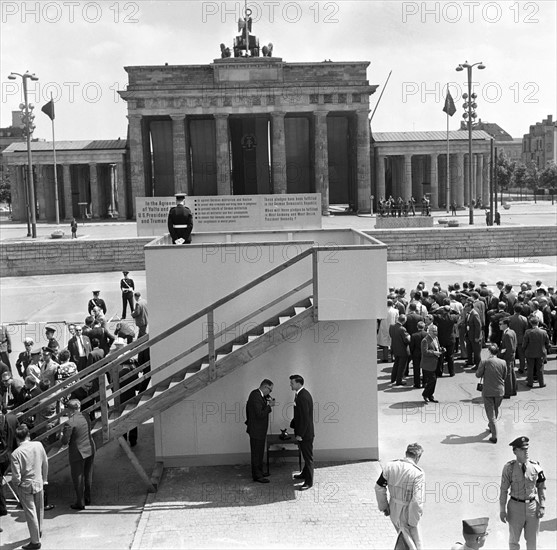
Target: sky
79,51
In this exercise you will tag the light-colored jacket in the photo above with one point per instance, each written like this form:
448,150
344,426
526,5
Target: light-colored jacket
405,485
29,467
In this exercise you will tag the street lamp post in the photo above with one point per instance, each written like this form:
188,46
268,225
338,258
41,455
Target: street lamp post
29,127
469,115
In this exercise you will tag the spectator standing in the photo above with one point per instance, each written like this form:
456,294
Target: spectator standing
383,337
416,352
399,346
29,475
431,353
5,346
507,353
536,345
140,314
493,371
127,286
519,324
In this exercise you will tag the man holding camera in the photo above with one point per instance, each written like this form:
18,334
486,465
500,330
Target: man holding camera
258,409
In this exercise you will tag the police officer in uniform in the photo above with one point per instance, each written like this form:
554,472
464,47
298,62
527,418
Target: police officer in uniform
526,481
95,301
474,532
52,342
180,221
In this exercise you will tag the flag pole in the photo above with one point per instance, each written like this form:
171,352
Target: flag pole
448,184
56,201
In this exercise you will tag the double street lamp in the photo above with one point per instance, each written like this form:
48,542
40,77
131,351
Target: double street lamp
27,119
469,116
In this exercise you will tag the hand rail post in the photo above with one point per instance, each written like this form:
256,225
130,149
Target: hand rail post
211,344
115,375
315,261
104,408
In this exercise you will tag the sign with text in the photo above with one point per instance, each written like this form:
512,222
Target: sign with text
232,213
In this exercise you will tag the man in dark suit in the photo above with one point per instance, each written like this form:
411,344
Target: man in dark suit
258,409
536,345
473,335
445,319
79,347
77,434
8,425
302,423
399,348
412,319
508,353
416,352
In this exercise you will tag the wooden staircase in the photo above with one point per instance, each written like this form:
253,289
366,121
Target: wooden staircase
115,416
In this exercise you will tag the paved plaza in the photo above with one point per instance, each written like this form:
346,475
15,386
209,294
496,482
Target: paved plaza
220,507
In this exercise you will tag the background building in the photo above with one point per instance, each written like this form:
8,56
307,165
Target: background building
540,144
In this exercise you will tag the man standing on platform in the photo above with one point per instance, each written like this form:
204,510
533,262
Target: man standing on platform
180,221
127,286
29,475
404,481
258,409
302,423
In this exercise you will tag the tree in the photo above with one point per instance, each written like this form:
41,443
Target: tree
505,169
548,177
5,186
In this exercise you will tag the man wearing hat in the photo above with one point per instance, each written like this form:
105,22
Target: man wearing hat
526,481
180,221
127,286
404,481
95,301
474,532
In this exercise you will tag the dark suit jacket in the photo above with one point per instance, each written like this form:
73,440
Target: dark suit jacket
303,416
77,434
416,344
473,325
399,340
412,320
8,425
536,343
508,343
257,415
73,348
445,322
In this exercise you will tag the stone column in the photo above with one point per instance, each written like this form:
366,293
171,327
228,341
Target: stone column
474,182
485,178
40,193
121,190
180,153
406,190
321,148
137,161
67,185
457,179
18,196
363,174
278,153
433,179
223,156
479,176
94,186
380,185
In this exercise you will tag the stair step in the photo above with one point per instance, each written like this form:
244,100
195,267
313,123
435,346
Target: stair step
284,319
144,399
298,310
310,300
174,383
267,329
236,347
128,408
220,356
251,338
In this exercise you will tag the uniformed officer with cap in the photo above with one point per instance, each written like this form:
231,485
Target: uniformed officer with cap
95,301
405,481
474,532
526,481
180,221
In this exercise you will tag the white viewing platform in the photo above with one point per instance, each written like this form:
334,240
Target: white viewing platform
271,304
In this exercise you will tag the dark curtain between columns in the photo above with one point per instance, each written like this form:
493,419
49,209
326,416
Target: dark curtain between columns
163,160
340,174
299,173
203,141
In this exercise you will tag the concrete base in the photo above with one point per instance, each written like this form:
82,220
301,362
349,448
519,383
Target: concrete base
407,222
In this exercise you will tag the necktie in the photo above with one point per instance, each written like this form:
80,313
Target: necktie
523,466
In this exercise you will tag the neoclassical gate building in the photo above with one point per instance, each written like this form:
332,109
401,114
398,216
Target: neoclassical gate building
251,125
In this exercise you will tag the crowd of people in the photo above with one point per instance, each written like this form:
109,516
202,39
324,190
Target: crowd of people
41,367
401,207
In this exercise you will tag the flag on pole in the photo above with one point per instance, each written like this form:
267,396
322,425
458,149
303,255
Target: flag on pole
449,107
48,109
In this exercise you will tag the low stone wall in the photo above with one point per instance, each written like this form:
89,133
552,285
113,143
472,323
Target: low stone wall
431,244
404,222
462,243
54,257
